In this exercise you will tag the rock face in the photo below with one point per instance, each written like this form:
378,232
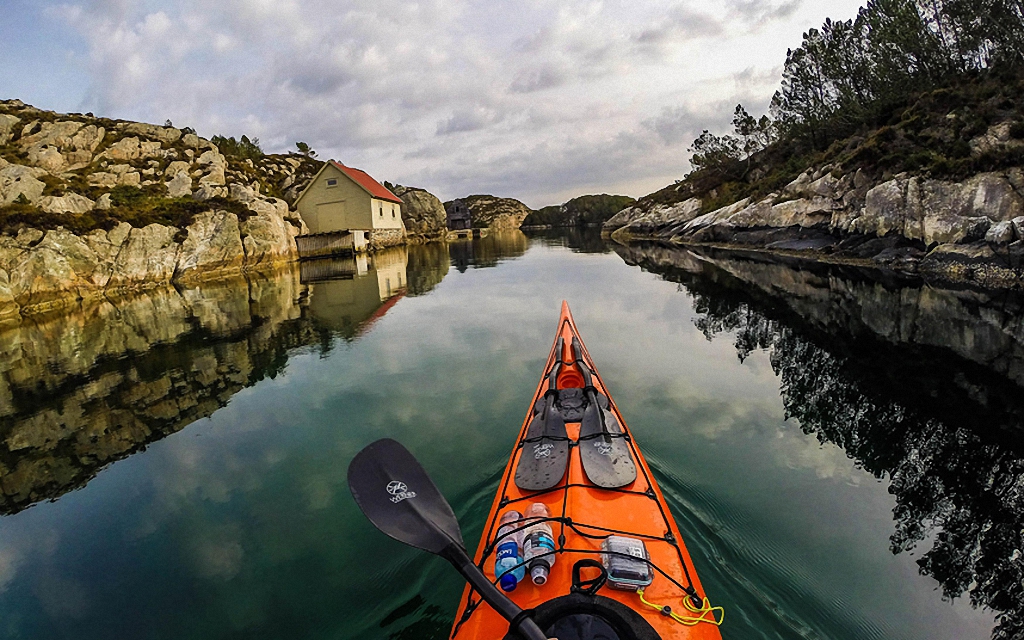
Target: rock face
73,166
43,271
17,181
422,212
490,212
906,222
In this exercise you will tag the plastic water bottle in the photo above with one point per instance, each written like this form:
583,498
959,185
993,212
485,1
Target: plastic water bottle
507,554
538,540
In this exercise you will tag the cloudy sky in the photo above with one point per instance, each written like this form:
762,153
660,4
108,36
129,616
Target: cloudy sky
535,99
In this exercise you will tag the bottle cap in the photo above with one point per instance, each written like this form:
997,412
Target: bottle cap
508,582
539,573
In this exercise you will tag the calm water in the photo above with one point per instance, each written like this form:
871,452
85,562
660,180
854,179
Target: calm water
841,450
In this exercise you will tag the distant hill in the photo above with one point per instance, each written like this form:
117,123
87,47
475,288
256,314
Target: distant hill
583,210
491,212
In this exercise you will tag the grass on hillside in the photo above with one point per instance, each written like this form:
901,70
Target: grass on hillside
927,134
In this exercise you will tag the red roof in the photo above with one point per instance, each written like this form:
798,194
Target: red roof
364,180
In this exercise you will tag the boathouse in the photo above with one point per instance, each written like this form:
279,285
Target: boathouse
457,215
345,209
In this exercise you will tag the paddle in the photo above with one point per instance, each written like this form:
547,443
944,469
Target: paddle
399,498
603,449
545,453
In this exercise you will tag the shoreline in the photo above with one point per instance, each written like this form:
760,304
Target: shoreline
983,274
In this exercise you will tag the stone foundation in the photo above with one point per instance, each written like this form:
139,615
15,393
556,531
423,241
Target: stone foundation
381,238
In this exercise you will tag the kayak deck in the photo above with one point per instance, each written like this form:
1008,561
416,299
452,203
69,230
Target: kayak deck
583,515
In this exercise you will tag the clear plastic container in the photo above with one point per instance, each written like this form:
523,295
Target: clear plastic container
539,544
626,573
508,553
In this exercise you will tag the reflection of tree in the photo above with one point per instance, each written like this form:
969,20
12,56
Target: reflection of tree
960,486
583,239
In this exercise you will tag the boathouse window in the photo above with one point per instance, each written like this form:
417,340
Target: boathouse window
332,182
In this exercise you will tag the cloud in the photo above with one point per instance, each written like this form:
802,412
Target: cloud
535,100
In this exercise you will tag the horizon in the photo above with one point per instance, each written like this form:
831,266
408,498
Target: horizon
541,102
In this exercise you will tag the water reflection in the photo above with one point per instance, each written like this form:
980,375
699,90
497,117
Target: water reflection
351,293
83,389
92,386
919,385
580,239
488,250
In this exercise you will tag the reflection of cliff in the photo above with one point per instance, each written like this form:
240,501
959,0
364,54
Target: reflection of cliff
428,265
950,352
582,239
349,294
488,250
93,386
911,382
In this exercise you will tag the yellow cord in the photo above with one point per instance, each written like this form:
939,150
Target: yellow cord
701,614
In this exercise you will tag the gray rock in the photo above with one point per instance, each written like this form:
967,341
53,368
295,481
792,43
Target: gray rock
17,180
148,255
103,179
103,202
131,178
207,191
68,203
124,150
1000,233
62,146
7,123
154,132
29,237
1018,226
241,192
180,186
9,309
267,236
884,212
176,167
190,140
150,150
213,244
422,211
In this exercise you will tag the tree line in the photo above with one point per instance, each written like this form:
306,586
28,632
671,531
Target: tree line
846,72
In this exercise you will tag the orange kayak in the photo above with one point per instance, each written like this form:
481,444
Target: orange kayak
585,519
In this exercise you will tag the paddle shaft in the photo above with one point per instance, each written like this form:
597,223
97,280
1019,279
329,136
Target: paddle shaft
526,628
588,380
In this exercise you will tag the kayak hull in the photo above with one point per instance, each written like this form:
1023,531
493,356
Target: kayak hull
638,510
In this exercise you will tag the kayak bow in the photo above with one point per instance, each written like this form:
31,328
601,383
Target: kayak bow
621,500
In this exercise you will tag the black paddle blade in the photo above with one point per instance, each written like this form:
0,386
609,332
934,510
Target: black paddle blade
606,459
545,453
400,499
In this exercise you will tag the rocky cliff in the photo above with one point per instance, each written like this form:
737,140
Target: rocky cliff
490,212
938,190
89,205
422,212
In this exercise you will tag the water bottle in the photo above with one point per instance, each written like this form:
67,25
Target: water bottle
538,540
506,555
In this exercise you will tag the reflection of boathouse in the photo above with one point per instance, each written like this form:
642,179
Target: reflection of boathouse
349,294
